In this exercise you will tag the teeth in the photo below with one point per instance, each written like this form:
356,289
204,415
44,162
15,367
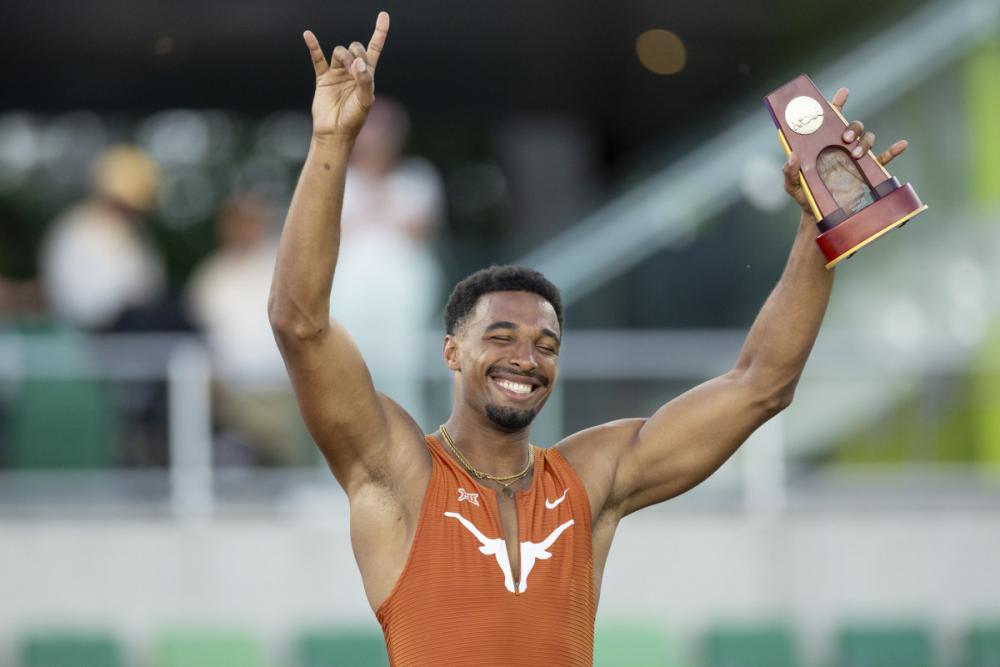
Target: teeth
515,387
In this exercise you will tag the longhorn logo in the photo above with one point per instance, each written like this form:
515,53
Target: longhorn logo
531,552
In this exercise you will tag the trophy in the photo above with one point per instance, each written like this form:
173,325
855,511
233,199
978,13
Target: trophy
810,126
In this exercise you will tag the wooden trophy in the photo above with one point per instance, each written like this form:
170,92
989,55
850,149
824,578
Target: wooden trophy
809,125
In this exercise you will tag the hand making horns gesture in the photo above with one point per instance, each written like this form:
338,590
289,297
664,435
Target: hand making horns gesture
837,171
345,87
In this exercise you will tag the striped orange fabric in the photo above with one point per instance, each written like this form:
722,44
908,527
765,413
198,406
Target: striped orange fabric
457,602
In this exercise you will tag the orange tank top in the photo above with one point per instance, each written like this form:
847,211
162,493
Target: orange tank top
457,603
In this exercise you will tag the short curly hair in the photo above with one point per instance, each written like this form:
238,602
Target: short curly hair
504,278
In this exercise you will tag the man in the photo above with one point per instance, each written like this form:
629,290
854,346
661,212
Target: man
475,547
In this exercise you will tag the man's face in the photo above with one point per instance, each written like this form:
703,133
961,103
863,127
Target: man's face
507,351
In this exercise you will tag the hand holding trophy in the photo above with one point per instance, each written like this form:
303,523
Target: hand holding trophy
853,198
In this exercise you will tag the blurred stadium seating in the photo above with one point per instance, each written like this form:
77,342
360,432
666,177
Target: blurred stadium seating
204,647
341,646
71,649
879,643
751,646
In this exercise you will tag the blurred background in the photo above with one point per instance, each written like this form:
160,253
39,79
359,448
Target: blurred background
160,501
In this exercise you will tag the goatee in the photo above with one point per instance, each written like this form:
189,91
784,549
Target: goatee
509,419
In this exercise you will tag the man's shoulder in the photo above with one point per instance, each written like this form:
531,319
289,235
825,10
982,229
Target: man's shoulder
594,453
600,440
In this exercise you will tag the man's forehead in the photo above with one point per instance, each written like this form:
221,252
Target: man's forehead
525,308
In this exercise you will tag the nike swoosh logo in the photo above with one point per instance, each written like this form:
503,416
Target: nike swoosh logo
552,504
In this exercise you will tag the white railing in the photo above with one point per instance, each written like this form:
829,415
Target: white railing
189,487
181,361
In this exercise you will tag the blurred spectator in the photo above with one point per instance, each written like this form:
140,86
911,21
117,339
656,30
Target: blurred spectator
97,261
227,300
388,280
19,299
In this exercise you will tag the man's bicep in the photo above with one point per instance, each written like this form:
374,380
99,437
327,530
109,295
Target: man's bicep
337,399
687,440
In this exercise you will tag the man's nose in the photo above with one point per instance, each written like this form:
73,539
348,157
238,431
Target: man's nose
523,355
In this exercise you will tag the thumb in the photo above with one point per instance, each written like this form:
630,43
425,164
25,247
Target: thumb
791,172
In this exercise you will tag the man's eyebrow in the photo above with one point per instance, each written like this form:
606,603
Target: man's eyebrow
503,324
500,325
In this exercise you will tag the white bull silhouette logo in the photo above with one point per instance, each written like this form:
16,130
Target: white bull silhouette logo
497,547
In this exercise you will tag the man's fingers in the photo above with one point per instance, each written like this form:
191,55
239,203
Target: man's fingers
316,53
358,51
791,171
345,58
887,156
839,98
377,42
864,145
855,130
342,57
362,73
792,184
792,164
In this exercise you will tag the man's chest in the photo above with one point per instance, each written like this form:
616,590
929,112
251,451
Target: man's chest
511,536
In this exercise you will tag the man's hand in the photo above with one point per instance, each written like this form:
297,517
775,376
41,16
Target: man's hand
837,171
345,86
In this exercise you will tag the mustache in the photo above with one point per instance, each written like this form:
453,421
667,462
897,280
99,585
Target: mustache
534,375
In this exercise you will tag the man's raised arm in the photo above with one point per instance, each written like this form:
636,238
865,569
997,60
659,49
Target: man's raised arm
687,439
341,409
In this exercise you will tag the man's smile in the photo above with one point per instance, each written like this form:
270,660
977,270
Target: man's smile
516,386
516,390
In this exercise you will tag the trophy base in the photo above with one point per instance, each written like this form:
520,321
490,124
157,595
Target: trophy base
880,217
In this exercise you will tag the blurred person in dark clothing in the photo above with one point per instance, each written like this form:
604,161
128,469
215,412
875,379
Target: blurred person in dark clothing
19,298
97,261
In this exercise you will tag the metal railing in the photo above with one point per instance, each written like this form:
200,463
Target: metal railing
192,488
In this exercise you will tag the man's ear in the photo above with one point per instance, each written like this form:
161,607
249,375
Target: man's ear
451,353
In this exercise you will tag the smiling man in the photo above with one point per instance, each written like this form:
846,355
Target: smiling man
475,547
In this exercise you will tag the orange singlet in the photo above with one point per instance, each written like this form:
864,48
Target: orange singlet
457,603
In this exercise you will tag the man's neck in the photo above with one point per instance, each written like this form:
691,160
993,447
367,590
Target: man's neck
488,448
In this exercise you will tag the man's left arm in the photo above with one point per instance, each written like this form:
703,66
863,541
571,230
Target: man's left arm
687,439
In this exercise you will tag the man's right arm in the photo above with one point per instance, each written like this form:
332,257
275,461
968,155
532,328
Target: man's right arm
349,422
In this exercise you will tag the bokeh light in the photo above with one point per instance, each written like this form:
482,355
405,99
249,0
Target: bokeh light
661,51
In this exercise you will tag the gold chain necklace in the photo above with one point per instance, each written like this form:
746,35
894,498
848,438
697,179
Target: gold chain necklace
505,482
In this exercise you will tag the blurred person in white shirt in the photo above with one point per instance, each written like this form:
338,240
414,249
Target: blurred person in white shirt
226,299
97,261
392,208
